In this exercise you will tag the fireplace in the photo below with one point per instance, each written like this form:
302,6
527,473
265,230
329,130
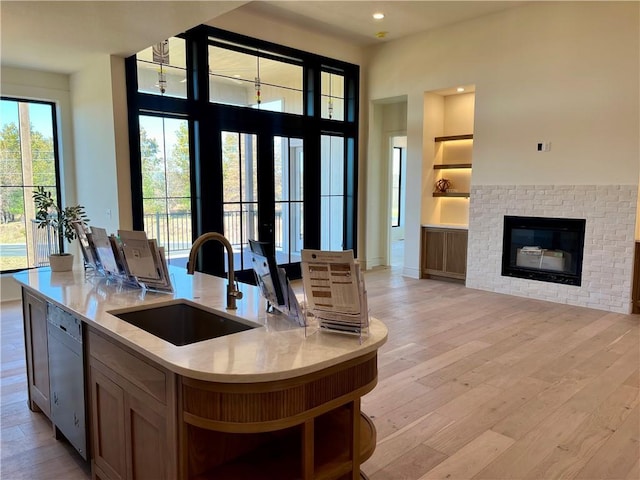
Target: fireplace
544,249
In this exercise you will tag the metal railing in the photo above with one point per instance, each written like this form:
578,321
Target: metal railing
173,230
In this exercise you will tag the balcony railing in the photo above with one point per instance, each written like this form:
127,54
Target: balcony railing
174,232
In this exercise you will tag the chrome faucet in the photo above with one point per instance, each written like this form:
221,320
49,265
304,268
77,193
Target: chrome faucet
233,293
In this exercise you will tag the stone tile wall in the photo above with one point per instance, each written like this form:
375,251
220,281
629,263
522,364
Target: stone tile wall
610,213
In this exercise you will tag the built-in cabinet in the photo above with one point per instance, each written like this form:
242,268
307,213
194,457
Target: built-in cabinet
55,372
133,414
635,293
444,252
37,351
148,422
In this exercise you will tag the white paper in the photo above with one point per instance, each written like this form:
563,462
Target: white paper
330,281
140,260
335,291
104,251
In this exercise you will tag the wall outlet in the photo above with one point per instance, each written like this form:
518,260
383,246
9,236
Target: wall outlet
543,146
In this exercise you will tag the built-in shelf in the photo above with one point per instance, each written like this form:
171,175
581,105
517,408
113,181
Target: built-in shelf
449,138
451,165
284,454
451,194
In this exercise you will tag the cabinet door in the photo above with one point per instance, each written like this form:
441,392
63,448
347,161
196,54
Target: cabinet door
146,437
456,253
133,414
635,293
107,421
37,351
434,244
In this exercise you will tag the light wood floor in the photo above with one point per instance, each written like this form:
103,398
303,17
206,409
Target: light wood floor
471,385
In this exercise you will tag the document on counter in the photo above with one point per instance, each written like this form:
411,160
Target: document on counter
140,259
330,281
104,250
335,290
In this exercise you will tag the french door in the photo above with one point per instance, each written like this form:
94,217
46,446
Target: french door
262,196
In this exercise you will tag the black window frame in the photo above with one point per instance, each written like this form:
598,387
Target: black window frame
206,117
56,154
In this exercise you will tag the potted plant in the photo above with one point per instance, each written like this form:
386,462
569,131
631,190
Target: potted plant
61,222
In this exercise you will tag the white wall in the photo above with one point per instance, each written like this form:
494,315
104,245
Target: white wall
121,137
34,85
249,23
388,119
562,72
97,117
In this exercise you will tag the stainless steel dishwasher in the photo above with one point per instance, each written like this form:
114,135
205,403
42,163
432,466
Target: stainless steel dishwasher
66,371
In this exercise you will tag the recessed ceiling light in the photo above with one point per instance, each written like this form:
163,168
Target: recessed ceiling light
460,89
378,16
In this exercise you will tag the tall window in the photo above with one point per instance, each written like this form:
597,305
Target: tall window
166,184
28,159
271,134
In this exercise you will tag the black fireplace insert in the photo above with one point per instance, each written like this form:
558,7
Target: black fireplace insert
544,249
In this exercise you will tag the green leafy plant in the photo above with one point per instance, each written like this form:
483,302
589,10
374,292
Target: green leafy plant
61,220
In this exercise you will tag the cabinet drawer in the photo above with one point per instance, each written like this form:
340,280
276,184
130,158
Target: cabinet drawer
148,378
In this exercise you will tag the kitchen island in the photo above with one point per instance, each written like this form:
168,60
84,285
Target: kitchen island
272,402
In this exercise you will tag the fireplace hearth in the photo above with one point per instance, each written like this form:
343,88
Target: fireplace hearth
543,249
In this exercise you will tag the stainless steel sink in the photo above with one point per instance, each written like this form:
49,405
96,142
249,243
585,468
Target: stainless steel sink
182,323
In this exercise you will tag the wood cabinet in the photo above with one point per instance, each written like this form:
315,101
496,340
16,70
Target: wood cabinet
37,351
308,427
444,252
635,292
148,423
133,414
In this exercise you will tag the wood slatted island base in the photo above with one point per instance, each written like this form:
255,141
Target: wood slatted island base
307,427
267,403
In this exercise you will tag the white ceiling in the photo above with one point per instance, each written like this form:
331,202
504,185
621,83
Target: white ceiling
353,21
62,36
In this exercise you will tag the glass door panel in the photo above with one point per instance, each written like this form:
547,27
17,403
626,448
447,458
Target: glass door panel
288,169
240,194
166,184
332,193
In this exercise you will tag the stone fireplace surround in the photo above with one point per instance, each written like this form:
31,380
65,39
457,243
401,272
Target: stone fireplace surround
610,213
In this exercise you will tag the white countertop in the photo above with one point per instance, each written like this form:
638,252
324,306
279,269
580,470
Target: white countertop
277,350
457,226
